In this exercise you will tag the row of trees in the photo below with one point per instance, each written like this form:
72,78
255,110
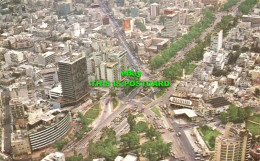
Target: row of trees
235,114
60,144
229,4
175,47
246,6
195,54
225,24
85,122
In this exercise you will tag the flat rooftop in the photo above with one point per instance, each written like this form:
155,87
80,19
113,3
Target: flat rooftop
188,112
218,102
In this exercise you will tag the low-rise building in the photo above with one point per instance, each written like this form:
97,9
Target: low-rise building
220,104
13,57
56,156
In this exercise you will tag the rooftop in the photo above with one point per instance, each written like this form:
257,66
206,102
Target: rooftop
190,113
218,102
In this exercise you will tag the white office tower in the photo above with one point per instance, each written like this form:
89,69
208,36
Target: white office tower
154,10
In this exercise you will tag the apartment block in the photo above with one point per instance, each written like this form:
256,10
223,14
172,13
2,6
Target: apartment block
233,145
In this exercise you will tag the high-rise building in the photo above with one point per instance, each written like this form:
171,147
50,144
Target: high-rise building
73,77
121,59
154,10
171,26
112,71
216,40
234,145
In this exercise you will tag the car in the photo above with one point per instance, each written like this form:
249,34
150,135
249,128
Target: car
171,129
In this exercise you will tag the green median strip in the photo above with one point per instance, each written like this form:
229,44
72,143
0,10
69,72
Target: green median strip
156,111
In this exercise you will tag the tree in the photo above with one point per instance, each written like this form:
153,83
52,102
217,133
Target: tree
233,58
140,25
60,144
248,111
219,72
162,18
106,147
236,47
212,141
131,121
149,150
163,148
223,117
257,92
154,150
130,140
152,134
140,127
244,49
233,112
112,92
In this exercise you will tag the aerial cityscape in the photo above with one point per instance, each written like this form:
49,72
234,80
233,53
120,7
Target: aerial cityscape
130,80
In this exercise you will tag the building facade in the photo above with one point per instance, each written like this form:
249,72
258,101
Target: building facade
154,10
234,145
43,138
171,26
216,40
73,77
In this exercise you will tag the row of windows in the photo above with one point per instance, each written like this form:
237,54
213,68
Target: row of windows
51,134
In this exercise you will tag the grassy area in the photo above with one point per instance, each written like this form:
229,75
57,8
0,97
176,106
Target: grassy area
160,93
207,134
189,68
155,110
255,118
93,112
115,103
141,115
254,128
